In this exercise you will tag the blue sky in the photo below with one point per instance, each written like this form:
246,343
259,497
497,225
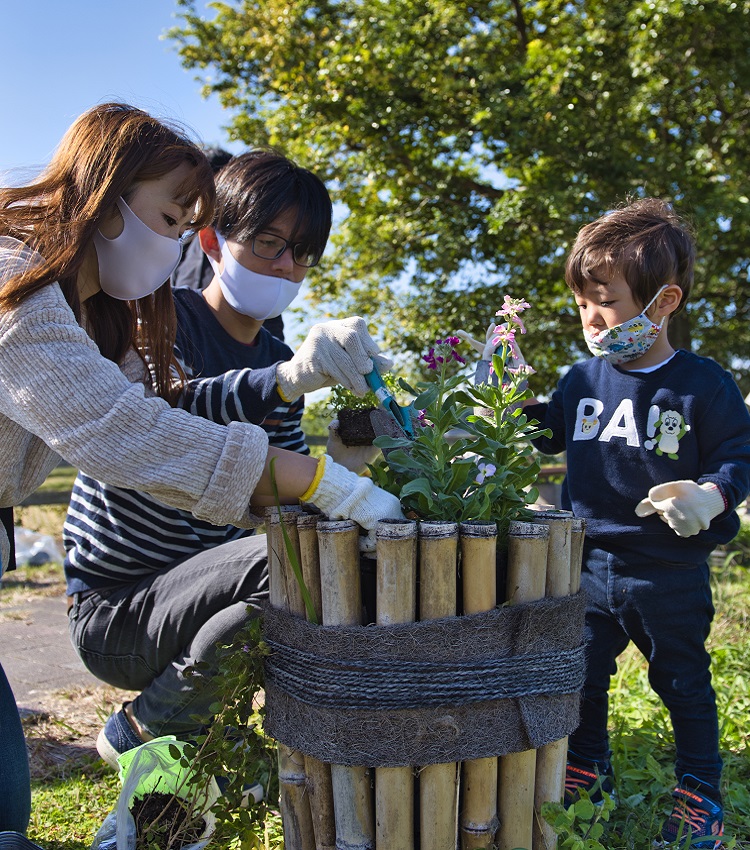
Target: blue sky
62,56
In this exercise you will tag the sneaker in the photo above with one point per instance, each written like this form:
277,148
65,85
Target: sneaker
696,820
16,841
117,737
252,793
587,775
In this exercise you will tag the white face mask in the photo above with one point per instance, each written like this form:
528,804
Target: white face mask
625,342
138,261
259,296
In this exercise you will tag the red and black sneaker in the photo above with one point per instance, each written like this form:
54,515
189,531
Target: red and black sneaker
696,820
587,775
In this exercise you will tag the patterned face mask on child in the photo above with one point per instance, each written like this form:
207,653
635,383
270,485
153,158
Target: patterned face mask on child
625,342
138,261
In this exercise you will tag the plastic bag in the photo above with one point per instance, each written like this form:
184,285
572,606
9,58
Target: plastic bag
151,767
34,549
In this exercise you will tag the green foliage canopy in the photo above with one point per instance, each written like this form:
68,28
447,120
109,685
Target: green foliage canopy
469,142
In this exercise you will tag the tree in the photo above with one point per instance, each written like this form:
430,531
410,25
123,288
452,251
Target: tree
469,142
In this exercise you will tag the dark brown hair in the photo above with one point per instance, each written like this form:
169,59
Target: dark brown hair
257,187
645,240
104,154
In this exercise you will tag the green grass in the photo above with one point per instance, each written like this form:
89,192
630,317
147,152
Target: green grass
61,478
69,806
66,813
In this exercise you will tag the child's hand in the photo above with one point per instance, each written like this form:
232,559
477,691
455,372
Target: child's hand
487,348
685,506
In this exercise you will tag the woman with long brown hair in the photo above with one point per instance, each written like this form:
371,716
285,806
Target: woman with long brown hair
87,370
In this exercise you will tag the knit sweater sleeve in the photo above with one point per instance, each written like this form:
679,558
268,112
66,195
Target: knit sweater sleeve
56,386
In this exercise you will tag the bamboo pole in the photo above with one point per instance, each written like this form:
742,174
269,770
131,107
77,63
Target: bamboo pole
307,533
478,820
527,571
577,538
551,758
396,603
338,544
438,783
284,593
319,787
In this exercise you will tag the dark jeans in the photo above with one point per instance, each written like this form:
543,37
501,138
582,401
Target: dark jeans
142,636
666,610
15,783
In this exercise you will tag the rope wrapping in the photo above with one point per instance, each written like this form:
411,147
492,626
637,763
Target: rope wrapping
434,691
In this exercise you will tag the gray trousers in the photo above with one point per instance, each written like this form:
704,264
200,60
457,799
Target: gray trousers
142,636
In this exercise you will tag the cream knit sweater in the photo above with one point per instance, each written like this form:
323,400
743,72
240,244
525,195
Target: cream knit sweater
60,398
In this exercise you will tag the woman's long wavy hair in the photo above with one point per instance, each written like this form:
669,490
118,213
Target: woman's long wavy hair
104,154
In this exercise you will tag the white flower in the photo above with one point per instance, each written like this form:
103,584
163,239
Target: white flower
486,470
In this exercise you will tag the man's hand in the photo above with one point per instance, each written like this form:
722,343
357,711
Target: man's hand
337,352
685,506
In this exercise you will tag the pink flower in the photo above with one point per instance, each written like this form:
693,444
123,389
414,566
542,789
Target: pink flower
523,370
503,333
512,307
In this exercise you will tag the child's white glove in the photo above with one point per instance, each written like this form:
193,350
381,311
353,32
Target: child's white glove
336,352
487,348
341,494
354,458
685,506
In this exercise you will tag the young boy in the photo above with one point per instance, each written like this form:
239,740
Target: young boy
152,589
658,457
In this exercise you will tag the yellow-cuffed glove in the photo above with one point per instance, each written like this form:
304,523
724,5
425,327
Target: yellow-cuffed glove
685,506
342,494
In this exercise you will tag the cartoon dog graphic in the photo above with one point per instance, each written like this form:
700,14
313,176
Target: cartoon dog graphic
671,428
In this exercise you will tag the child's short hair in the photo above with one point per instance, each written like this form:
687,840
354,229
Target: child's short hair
646,241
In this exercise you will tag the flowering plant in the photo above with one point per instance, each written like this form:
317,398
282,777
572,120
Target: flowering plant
471,456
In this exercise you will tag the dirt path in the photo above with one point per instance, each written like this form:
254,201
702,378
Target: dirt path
62,705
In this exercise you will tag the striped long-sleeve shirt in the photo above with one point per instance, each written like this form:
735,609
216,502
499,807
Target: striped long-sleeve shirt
113,535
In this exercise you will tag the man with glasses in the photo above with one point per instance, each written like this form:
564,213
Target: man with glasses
152,589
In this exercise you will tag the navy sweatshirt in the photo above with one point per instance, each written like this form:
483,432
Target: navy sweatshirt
625,432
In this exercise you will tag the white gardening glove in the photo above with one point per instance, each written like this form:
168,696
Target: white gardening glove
685,506
337,352
487,348
340,494
354,458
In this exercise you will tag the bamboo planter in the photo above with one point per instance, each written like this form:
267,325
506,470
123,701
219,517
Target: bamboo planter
443,724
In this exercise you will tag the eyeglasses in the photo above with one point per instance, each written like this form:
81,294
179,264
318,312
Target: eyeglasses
268,246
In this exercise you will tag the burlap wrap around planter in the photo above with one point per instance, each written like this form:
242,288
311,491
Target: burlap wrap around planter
429,692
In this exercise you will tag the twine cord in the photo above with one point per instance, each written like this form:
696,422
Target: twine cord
430,692
388,683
